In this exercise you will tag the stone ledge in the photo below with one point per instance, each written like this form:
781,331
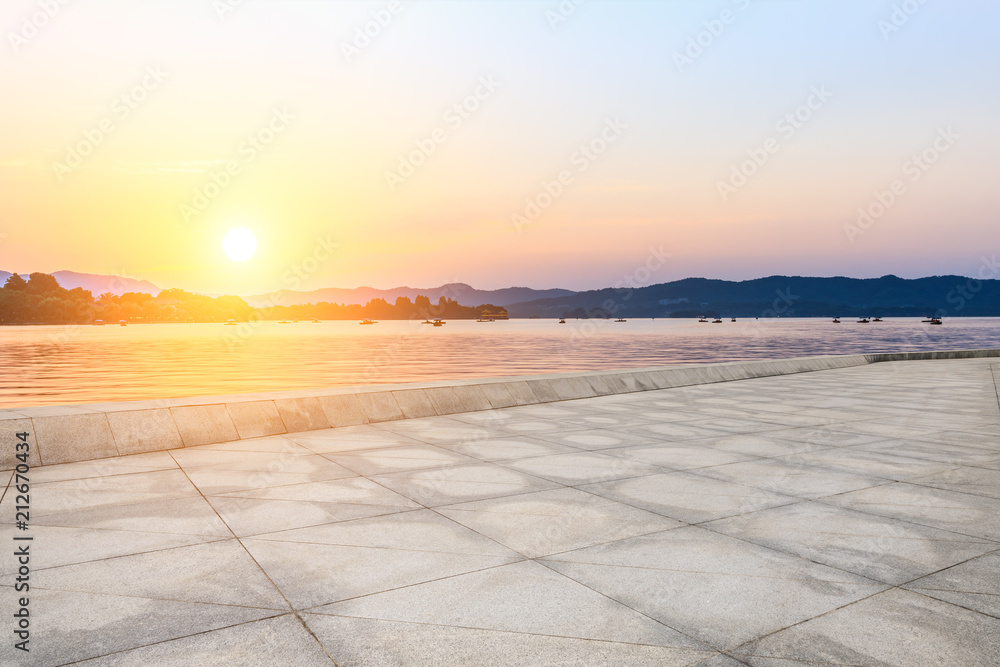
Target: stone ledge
83,432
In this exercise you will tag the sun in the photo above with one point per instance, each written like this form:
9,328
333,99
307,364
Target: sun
239,244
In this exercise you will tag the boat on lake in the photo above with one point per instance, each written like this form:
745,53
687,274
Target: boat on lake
367,322
230,323
439,323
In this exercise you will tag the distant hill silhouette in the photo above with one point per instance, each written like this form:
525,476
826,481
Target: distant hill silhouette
98,284
459,292
788,296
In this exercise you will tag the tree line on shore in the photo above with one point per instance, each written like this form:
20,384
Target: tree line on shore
41,300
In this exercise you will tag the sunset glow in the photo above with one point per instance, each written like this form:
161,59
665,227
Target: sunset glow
421,140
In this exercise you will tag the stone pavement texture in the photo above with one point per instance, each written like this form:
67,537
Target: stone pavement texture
840,517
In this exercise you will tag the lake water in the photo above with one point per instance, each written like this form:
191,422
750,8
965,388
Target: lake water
51,365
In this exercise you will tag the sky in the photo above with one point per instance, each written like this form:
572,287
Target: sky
559,143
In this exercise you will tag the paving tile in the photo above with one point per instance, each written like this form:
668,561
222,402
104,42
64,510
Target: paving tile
215,480
349,438
582,467
354,490
457,484
869,464
186,516
253,516
92,492
719,590
362,641
103,467
273,642
216,573
895,629
65,631
675,456
522,597
594,439
508,448
974,584
965,513
792,479
421,530
398,459
977,481
879,548
759,445
953,454
686,497
548,522
272,444
66,546
310,574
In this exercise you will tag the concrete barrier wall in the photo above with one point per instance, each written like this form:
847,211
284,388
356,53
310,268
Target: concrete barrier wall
82,432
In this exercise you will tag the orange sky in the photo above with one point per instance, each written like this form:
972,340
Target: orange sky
305,126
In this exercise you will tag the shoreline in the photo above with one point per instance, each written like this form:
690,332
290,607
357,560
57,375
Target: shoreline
71,433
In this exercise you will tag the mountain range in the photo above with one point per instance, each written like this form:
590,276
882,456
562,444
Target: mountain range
97,284
787,296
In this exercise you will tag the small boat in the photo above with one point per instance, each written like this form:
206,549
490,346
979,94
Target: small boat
935,320
98,323
732,319
427,322
284,321
562,321
702,319
717,320
864,320
122,323
620,319
230,323
876,319
367,322
928,319
315,321
836,320
439,323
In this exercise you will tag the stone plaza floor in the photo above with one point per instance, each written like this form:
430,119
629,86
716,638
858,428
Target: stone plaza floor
841,517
